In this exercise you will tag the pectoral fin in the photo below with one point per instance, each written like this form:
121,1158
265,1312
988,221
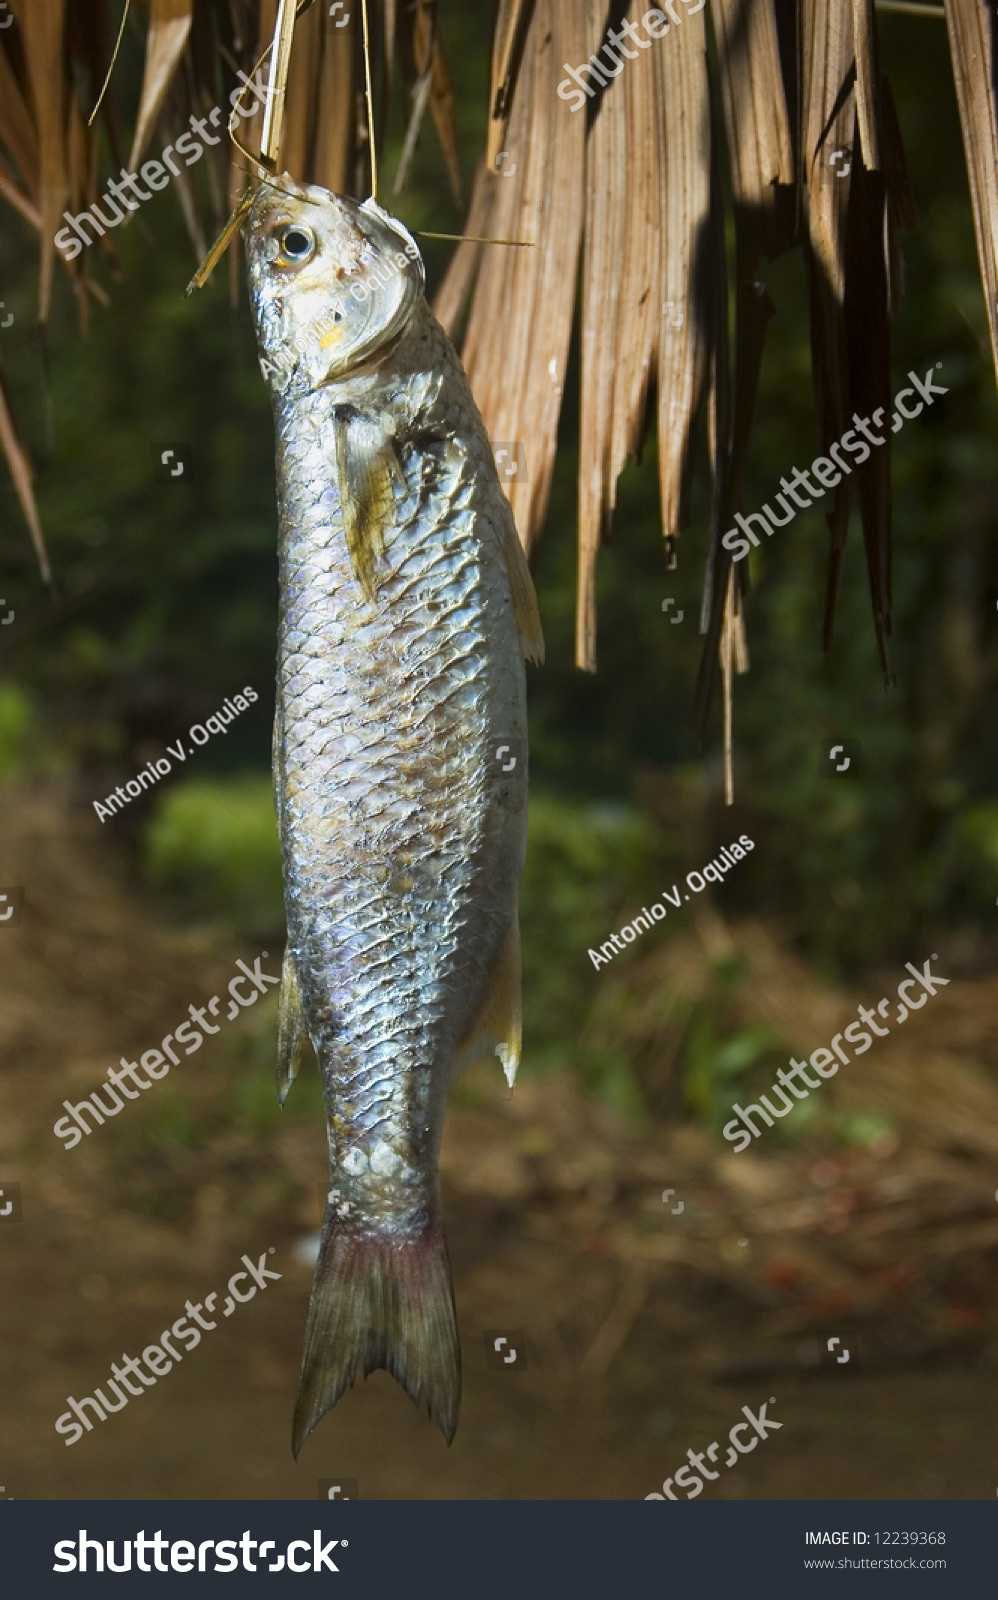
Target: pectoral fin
291,1030
366,465
497,1027
528,620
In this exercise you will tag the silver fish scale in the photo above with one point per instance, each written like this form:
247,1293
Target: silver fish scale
401,853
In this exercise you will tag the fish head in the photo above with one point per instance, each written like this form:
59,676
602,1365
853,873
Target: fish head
333,283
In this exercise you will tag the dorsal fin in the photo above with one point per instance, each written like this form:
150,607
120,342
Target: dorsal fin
528,618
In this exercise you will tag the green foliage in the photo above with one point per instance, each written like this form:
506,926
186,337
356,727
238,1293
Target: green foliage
170,1124
15,728
713,1064
864,1128
253,1102
213,843
584,864
977,832
27,748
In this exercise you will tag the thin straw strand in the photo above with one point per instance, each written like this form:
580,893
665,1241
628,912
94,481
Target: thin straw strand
107,80
525,244
370,104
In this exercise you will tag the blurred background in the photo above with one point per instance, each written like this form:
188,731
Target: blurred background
870,1215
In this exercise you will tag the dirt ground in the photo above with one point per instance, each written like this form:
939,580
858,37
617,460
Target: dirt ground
645,1330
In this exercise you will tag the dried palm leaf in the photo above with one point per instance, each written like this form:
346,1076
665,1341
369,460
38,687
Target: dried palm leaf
829,130
21,474
971,28
864,44
757,125
507,47
638,170
606,228
424,55
686,282
853,286
640,275
169,28
297,144
41,27
760,155
899,195
17,128
442,110
516,347
21,204
427,72
335,127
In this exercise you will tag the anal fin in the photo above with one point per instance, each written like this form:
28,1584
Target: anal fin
497,1028
291,1030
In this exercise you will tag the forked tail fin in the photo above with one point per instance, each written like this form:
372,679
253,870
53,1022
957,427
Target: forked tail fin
386,1300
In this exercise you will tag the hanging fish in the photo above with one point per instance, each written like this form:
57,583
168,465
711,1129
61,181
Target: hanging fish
406,612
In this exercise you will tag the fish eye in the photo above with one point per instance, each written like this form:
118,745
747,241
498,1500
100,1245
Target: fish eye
297,244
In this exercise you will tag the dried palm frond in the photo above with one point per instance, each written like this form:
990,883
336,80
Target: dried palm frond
169,30
54,59
761,161
849,255
972,33
785,96
516,346
651,195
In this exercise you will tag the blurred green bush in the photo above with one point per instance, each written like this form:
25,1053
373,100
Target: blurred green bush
15,727
212,845
586,862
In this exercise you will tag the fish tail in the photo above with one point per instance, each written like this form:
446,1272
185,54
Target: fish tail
386,1300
